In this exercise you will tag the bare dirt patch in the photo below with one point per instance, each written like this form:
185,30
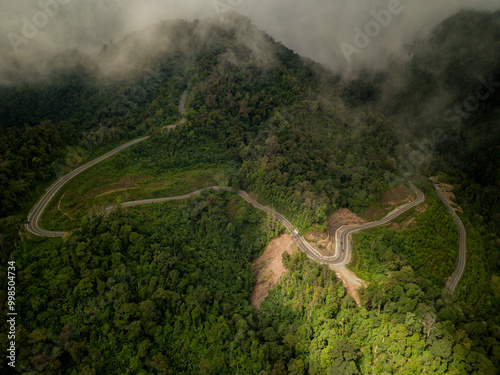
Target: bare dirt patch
374,212
269,268
339,218
325,241
396,196
447,191
321,241
352,283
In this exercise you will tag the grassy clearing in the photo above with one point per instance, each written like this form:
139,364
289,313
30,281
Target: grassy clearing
387,201
112,181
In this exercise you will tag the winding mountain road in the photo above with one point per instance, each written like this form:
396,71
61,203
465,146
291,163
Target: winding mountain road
33,225
342,237
341,258
343,250
343,233
452,282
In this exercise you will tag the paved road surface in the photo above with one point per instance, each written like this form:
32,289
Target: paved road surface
183,103
33,225
452,282
343,250
176,198
303,245
342,237
343,253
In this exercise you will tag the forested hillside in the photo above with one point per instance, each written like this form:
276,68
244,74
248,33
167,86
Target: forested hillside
445,104
278,117
165,288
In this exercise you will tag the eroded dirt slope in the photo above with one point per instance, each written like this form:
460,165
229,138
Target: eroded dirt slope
269,268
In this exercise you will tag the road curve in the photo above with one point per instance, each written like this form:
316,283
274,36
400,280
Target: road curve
452,282
33,225
341,258
303,245
343,253
343,250
342,237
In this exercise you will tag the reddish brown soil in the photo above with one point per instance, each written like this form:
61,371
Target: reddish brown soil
339,218
447,191
352,283
269,268
396,196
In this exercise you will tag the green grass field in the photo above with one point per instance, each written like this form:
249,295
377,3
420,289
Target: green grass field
113,181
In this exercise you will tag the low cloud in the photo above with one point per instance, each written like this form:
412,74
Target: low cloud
31,30
318,28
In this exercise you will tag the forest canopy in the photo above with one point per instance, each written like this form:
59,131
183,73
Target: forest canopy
165,288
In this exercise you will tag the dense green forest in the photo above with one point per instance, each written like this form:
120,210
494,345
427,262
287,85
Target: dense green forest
447,114
281,123
430,246
165,288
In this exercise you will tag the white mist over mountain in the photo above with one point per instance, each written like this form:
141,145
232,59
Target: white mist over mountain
344,35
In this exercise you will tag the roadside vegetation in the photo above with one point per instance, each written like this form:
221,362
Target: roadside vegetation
166,288
114,181
430,247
